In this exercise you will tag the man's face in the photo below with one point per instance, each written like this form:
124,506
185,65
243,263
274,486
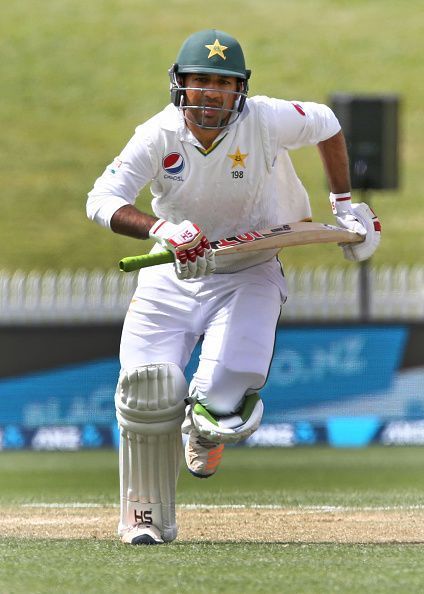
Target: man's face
213,93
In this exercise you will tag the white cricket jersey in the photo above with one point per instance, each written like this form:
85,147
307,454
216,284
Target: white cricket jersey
244,181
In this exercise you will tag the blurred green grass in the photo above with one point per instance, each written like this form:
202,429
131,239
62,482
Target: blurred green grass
104,567
267,476
375,476
77,78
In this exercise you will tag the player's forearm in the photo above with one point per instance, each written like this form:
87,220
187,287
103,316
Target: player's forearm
128,220
335,159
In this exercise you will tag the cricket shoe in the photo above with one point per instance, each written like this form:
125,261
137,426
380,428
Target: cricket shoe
142,534
202,455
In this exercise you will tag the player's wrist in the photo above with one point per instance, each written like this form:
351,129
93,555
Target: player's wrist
162,230
341,202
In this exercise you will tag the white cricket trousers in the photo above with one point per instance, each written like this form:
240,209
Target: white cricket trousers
236,314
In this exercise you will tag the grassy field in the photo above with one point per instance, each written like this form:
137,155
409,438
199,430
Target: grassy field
78,77
273,520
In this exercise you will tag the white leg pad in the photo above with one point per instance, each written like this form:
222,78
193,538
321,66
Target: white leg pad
150,408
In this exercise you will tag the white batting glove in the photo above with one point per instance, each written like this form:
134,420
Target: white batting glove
192,251
359,218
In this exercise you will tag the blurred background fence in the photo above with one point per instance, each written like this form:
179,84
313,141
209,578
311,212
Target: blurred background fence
318,294
335,378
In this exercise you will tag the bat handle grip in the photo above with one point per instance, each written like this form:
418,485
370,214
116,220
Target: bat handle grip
132,263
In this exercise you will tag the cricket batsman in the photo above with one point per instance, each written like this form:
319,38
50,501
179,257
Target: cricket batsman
218,164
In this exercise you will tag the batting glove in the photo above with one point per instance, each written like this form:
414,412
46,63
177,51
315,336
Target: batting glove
192,251
359,218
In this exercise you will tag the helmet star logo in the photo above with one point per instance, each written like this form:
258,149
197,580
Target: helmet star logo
238,159
216,49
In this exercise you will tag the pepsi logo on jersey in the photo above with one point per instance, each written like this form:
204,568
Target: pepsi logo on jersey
173,164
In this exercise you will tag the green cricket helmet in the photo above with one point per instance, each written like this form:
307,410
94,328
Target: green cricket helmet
210,52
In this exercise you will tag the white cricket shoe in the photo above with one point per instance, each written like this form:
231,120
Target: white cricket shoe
202,456
142,534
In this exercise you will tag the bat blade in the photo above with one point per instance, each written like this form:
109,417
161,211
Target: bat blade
282,236
278,237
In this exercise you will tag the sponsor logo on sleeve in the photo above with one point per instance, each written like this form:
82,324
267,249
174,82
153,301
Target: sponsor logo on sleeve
299,109
115,165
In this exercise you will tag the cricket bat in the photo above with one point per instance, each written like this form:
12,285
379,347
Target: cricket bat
280,236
